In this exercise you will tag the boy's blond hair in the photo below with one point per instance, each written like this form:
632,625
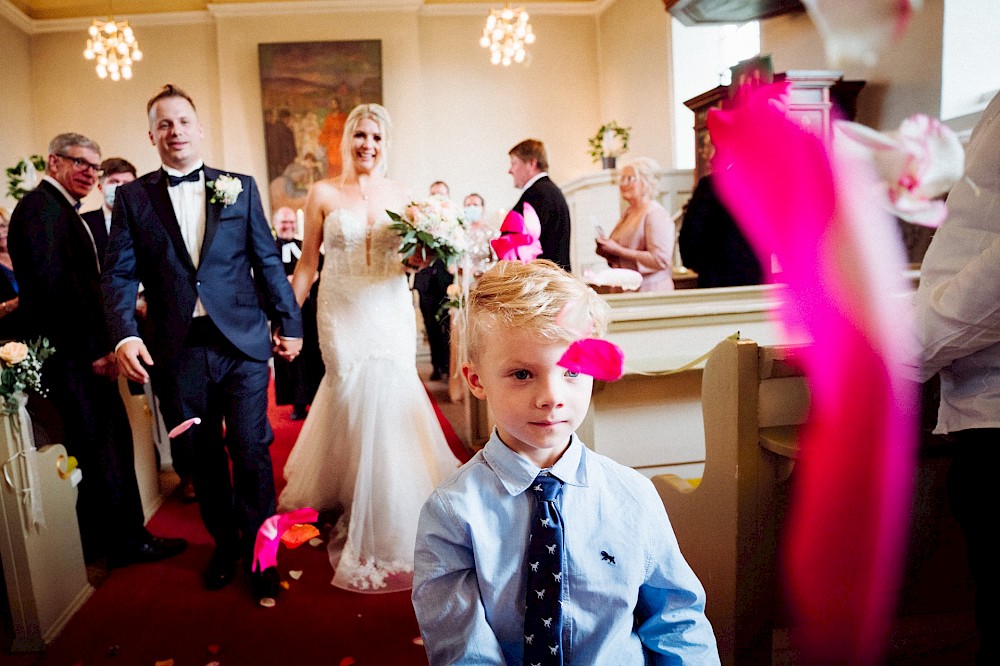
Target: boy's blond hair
539,297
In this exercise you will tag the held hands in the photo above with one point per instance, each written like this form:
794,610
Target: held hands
287,348
106,366
131,357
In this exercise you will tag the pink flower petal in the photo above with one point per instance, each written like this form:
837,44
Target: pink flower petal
183,427
845,535
265,548
600,359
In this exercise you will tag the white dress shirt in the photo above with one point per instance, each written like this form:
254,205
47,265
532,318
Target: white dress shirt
188,200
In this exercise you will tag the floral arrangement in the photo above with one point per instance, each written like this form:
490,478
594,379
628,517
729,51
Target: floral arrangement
226,189
611,140
21,370
23,176
434,224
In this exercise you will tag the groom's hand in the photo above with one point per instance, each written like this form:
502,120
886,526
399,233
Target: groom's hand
287,348
131,355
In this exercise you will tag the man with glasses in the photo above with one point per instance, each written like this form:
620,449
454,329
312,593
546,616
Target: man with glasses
58,273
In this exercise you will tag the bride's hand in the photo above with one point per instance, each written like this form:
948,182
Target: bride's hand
419,260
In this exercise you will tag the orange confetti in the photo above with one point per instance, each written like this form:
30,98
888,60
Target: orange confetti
284,585
298,534
165,662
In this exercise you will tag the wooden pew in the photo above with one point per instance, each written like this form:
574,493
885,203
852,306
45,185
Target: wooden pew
753,400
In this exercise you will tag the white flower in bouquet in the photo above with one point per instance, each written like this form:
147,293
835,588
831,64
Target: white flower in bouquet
21,370
436,224
226,189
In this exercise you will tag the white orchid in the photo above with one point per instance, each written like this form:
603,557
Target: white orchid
918,164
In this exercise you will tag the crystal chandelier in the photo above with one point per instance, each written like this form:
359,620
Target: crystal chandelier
112,44
507,31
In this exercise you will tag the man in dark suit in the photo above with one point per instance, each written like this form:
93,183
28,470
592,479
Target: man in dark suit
529,167
56,264
198,241
115,172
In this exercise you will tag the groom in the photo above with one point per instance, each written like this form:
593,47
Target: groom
198,241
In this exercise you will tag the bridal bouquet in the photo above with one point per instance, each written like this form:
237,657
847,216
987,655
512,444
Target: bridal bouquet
434,224
21,370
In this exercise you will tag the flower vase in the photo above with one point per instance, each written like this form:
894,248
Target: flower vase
608,162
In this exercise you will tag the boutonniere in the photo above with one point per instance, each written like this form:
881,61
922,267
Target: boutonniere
226,189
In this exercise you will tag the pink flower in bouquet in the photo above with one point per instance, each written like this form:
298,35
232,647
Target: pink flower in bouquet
918,164
434,224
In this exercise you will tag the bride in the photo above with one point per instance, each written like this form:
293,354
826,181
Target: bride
371,445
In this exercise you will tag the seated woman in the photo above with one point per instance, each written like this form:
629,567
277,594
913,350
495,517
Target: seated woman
643,239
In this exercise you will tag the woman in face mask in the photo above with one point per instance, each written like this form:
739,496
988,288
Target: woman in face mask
480,234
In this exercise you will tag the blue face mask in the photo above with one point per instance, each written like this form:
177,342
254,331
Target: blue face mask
473,213
109,194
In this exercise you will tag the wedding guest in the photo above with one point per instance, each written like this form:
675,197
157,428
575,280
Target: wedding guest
959,335
115,171
711,242
615,587
200,242
295,382
371,446
431,284
58,273
480,234
529,166
10,315
643,239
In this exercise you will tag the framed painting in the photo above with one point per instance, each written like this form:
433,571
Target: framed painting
307,90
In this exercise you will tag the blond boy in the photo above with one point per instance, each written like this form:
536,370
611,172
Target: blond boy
626,595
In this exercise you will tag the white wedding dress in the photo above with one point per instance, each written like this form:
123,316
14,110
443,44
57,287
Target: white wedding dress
371,444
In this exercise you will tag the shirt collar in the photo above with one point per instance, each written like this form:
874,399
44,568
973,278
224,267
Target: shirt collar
174,172
517,473
55,183
531,181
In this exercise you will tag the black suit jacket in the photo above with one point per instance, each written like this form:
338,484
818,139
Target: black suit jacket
239,274
57,271
95,220
553,212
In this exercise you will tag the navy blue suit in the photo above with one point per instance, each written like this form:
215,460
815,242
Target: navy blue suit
213,367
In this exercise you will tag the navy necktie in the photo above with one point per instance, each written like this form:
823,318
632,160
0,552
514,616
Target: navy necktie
543,608
77,206
192,177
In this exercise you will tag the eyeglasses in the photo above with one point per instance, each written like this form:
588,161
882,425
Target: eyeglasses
81,164
628,180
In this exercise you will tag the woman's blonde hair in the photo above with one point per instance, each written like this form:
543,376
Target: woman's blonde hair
645,170
539,297
380,116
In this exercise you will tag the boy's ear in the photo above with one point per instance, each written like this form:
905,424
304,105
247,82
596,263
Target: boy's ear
472,379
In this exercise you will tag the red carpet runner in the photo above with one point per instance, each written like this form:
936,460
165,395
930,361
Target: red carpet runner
153,613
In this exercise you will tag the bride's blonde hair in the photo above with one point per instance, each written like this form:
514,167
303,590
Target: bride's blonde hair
539,297
376,113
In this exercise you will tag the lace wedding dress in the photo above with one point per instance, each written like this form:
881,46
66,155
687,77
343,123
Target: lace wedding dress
371,444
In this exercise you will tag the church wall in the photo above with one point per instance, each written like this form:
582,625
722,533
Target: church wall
634,70
906,80
15,101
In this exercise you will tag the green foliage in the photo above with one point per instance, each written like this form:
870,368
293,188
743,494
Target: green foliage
17,173
21,371
611,140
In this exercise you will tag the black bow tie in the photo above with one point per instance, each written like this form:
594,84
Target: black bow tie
192,177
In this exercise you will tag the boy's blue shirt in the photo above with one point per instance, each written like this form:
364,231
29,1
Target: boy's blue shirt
628,595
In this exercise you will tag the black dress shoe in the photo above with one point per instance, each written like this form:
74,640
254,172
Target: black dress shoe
153,549
298,413
436,375
266,583
221,568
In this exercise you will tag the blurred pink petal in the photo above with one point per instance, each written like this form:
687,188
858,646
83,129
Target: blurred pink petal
855,32
840,256
265,548
575,317
519,235
600,359
183,427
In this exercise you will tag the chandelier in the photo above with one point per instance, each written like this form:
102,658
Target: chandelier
112,44
505,34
